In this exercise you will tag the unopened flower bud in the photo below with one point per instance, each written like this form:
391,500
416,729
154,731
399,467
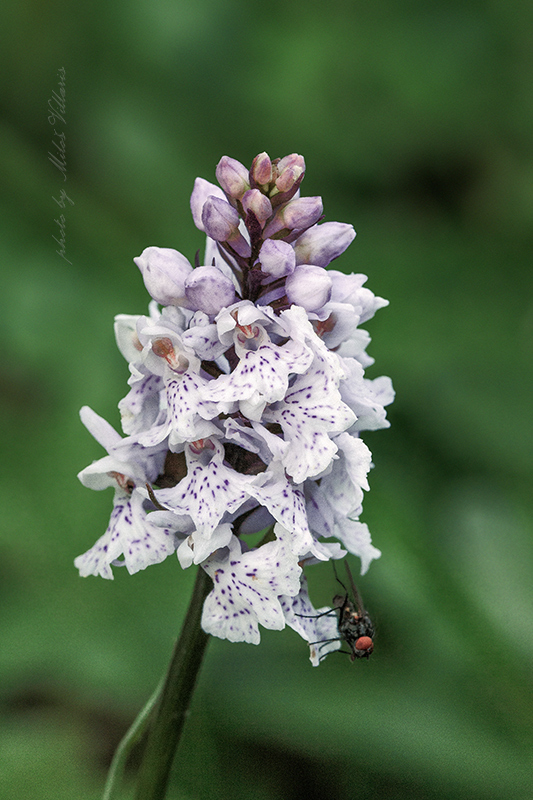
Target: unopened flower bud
300,213
202,190
322,243
233,177
261,170
164,273
220,220
289,168
208,290
309,286
253,200
277,258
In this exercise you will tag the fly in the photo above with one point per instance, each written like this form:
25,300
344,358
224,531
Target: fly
355,626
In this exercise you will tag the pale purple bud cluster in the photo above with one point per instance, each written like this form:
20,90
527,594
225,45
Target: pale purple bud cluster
247,398
264,229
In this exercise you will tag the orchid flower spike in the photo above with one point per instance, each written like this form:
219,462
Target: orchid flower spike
246,403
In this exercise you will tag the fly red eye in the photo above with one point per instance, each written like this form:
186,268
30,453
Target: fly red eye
364,643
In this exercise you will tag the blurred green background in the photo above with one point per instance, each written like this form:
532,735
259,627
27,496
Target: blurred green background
416,122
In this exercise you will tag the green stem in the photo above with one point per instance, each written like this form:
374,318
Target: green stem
116,770
171,710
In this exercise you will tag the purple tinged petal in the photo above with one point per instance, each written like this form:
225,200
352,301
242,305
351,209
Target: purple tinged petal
309,287
302,212
103,432
233,177
255,201
208,290
286,503
202,338
289,168
297,214
220,220
164,273
140,408
202,190
277,258
261,170
187,412
322,243
350,289
195,548
261,377
126,336
344,484
355,537
366,398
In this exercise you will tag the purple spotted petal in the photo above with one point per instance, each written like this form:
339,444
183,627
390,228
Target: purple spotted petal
208,491
318,626
310,412
246,591
130,534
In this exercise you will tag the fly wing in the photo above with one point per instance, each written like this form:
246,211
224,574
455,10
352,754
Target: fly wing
357,597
